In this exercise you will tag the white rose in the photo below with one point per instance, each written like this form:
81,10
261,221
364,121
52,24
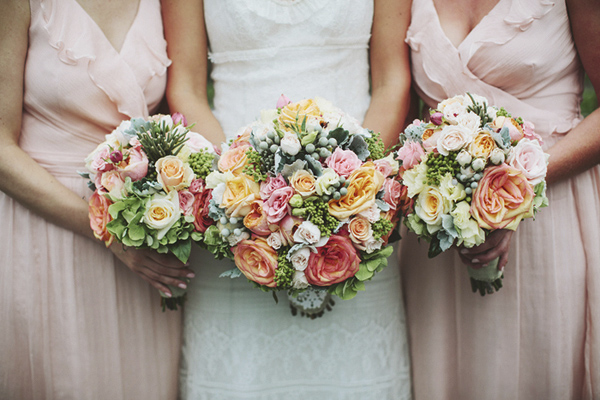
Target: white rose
118,137
290,144
529,157
274,240
469,120
415,178
300,259
307,233
162,211
215,178
167,120
323,183
453,107
497,156
464,158
430,205
461,214
299,280
454,138
471,235
492,113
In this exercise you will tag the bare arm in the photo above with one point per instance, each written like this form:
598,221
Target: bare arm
390,69
187,47
31,185
579,150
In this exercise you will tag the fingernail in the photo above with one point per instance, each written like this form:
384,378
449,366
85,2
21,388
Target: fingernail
168,294
464,251
191,275
182,285
475,260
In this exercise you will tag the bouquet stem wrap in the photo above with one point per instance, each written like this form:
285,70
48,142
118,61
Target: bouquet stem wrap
487,279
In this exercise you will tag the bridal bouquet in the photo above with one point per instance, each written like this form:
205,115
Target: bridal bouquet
468,171
148,184
304,200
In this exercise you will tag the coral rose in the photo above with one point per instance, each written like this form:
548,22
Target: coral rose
502,199
364,185
99,217
234,159
333,263
257,261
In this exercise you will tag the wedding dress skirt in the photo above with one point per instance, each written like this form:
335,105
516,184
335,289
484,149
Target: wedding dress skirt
238,343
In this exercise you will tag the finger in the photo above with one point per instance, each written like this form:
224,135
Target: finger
167,280
467,261
167,260
503,261
157,285
165,270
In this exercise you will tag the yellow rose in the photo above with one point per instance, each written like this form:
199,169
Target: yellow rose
482,145
234,159
240,192
173,173
303,183
365,182
295,113
430,206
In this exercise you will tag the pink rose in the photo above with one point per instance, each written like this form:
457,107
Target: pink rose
179,118
134,165
344,162
197,186
200,211
186,201
100,161
382,165
410,154
393,192
502,199
99,217
276,206
529,132
529,157
257,261
197,142
270,185
333,263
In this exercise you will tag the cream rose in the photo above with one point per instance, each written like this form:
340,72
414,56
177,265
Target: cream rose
303,183
529,157
430,206
173,174
162,211
454,138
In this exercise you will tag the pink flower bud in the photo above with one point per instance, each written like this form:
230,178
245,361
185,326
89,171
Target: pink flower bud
179,118
116,156
283,101
436,118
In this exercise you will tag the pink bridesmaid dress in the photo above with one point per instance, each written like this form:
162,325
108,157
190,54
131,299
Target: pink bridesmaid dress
74,322
539,337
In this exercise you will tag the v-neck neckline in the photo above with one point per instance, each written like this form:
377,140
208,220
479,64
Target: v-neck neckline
471,32
103,34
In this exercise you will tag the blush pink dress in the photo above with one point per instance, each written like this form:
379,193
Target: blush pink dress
74,322
539,337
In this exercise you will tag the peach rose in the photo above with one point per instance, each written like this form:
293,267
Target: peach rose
99,217
344,162
360,229
303,183
173,174
364,185
256,219
113,183
333,263
240,192
234,159
295,113
257,261
482,145
502,199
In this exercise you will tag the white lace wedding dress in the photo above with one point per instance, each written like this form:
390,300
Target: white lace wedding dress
238,343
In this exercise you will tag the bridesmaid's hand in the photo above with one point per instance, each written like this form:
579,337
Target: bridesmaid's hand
159,270
497,244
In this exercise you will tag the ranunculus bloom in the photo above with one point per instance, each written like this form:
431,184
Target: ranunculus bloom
270,185
200,211
135,164
173,174
482,145
257,261
99,217
294,113
333,263
365,182
234,159
344,162
410,154
502,199
393,190
529,158
162,212
303,183
186,201
256,219
276,206
240,192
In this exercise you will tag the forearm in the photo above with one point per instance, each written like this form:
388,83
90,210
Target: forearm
35,188
577,151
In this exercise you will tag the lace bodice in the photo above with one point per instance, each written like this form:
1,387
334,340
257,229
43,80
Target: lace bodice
302,48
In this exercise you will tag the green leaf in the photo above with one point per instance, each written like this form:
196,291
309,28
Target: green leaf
136,232
359,286
372,265
363,273
197,236
434,247
182,250
116,228
115,208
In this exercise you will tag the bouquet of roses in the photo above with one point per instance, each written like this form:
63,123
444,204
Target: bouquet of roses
148,184
468,171
304,201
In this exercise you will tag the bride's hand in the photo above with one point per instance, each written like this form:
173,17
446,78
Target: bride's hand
497,244
159,270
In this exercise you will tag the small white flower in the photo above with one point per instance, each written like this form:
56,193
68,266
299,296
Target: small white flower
464,158
300,258
491,112
290,144
299,280
233,239
307,233
372,214
497,156
167,120
324,182
274,240
478,164
370,246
